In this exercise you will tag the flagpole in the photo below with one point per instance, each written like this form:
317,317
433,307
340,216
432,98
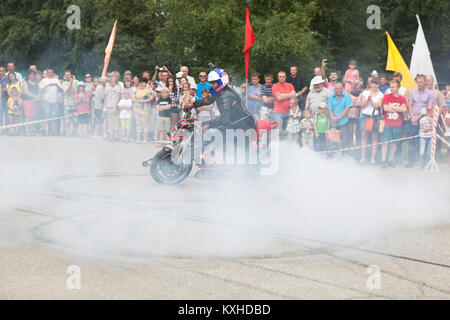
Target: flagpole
249,40
432,165
246,93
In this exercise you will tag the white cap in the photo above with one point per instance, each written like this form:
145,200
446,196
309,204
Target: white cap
322,105
317,80
374,72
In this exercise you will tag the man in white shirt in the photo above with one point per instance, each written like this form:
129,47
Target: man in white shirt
184,71
50,88
318,95
12,69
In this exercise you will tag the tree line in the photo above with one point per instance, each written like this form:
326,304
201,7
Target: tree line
196,32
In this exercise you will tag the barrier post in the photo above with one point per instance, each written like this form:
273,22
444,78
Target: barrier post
432,165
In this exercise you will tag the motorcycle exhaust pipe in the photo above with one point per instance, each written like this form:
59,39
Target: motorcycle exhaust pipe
147,163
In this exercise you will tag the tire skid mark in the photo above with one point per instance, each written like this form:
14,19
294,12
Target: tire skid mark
95,201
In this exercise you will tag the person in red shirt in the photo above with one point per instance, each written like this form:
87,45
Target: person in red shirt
282,92
394,105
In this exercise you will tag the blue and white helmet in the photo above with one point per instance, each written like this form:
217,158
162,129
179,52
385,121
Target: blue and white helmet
220,76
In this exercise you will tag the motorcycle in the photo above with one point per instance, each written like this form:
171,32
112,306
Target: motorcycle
174,163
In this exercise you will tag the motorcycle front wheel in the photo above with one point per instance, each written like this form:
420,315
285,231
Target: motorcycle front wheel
164,171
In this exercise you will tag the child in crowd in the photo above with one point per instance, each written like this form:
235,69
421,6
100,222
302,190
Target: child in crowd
425,134
293,126
163,106
307,129
243,91
321,126
83,108
193,97
192,93
184,94
125,105
394,105
204,113
128,85
351,76
14,108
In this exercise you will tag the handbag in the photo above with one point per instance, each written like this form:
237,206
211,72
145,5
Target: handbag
333,136
372,124
368,125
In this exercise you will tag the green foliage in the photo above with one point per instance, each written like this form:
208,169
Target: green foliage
343,23
195,32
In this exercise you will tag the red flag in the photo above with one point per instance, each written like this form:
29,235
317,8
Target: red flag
109,49
249,40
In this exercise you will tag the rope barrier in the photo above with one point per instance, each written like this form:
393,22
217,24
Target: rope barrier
33,122
443,140
435,136
369,145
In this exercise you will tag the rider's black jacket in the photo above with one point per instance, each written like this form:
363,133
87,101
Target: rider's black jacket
233,114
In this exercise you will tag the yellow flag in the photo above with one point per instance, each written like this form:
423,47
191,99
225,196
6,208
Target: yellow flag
396,63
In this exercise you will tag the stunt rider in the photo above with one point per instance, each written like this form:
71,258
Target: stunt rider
168,166
233,114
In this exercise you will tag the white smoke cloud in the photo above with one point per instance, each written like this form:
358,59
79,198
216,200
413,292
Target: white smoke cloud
128,214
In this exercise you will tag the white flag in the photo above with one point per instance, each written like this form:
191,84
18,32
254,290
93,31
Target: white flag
421,60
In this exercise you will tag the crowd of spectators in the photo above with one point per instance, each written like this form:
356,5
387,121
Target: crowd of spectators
354,114
324,116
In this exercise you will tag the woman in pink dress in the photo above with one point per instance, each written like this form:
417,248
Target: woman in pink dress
351,76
